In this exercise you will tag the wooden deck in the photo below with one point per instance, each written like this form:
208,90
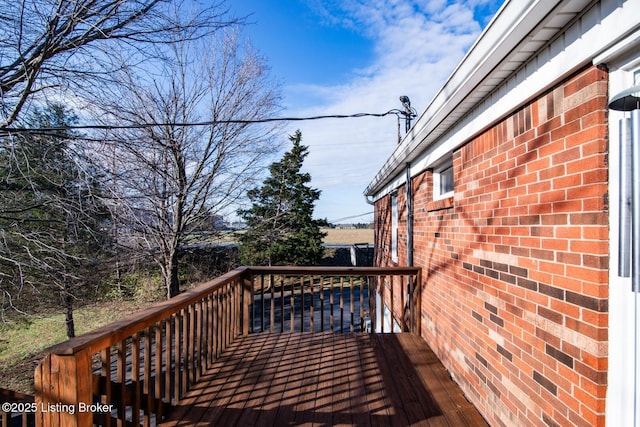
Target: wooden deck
326,379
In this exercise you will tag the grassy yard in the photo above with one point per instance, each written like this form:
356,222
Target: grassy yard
334,236
22,343
348,237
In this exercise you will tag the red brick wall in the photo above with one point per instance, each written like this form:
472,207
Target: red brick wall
515,265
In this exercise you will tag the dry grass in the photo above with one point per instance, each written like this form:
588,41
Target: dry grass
22,345
348,237
334,236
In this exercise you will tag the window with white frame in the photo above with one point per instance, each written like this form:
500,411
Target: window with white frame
443,179
394,227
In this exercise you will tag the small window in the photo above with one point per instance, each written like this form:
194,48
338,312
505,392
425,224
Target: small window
443,180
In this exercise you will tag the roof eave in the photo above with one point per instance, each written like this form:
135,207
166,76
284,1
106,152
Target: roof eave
510,26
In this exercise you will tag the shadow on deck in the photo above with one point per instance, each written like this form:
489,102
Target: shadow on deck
198,359
326,379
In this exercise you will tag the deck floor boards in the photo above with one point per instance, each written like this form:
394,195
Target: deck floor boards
326,379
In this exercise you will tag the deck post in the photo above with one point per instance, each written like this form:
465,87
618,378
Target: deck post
418,310
247,300
372,302
64,390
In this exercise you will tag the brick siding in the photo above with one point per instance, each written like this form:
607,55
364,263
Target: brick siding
515,265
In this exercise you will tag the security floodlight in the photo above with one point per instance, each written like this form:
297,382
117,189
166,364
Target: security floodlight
627,100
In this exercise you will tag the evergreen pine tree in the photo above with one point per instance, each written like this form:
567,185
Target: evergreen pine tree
280,225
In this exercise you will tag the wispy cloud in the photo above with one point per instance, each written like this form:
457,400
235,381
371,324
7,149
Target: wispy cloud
416,46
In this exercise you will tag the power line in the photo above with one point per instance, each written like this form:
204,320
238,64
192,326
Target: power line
350,217
10,130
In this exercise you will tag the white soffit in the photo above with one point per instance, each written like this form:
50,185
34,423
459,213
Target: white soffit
519,30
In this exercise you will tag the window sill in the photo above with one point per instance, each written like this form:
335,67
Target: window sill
437,205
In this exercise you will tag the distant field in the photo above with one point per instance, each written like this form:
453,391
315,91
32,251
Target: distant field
348,237
334,236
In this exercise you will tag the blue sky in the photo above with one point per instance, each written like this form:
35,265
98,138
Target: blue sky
353,56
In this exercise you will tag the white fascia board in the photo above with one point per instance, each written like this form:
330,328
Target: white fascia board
531,82
393,184
625,50
578,46
511,24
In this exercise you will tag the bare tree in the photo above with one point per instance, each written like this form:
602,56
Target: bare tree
58,44
51,217
167,175
62,51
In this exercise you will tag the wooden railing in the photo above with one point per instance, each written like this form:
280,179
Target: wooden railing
129,372
16,409
132,371
338,299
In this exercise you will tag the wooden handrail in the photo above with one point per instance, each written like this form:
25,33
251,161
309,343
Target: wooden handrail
134,369
139,366
333,271
19,410
118,330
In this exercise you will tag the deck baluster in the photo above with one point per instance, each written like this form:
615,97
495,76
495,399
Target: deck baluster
282,304
342,304
312,282
169,360
157,385
383,285
362,291
105,371
178,368
351,305
292,316
122,379
331,304
146,379
272,317
322,303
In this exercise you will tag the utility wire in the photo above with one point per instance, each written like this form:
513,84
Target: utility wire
12,130
349,217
